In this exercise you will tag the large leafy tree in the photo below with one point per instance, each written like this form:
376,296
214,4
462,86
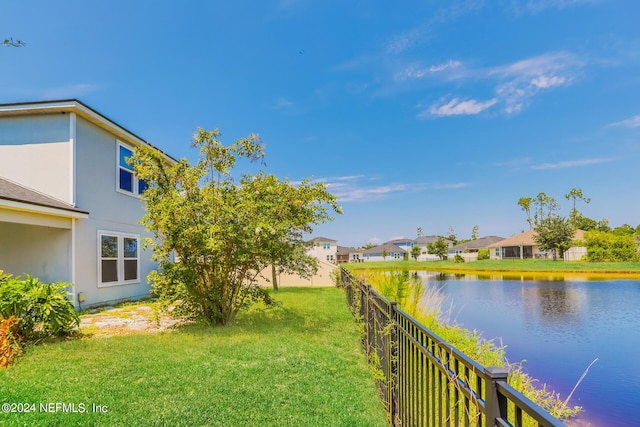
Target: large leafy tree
440,247
223,233
554,233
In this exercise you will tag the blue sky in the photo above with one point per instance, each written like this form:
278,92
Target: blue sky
431,114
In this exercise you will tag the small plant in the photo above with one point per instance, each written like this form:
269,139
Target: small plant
483,254
10,346
458,259
44,308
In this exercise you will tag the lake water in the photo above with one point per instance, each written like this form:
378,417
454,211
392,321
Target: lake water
559,327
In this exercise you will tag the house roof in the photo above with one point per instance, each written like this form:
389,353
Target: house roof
526,239
322,239
389,247
480,243
75,106
422,240
15,192
396,241
345,250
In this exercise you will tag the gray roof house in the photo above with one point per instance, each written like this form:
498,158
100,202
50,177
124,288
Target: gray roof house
475,245
385,252
69,201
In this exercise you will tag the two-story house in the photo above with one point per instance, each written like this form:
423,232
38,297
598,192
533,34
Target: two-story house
324,249
70,203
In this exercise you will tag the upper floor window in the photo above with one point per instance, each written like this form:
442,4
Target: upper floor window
127,181
326,246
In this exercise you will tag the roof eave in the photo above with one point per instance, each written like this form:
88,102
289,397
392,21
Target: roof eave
22,206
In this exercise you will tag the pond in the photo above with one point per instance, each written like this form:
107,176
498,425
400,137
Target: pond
559,326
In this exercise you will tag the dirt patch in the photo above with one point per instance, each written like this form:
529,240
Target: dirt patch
127,320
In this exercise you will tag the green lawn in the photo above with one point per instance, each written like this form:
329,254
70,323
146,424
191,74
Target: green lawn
515,265
299,364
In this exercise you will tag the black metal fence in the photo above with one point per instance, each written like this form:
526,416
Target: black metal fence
424,381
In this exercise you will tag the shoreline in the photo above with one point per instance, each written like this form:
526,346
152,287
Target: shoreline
519,268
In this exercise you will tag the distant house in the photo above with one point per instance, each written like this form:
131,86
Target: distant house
343,253
523,246
469,250
324,249
356,255
402,243
384,252
69,201
423,242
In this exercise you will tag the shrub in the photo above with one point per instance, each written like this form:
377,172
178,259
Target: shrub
44,308
483,254
10,346
458,259
602,246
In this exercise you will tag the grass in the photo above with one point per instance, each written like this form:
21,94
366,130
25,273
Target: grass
631,269
299,364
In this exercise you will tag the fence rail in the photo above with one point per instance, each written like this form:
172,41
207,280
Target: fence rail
424,381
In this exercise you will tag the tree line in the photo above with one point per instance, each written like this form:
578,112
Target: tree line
556,233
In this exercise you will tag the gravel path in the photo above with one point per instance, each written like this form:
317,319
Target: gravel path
128,320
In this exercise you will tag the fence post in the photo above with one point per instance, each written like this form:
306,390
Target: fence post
495,406
393,363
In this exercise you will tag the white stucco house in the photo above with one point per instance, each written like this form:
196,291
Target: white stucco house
324,249
69,202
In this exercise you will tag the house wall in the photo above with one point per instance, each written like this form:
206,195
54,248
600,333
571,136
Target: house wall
36,151
109,210
391,256
327,255
43,252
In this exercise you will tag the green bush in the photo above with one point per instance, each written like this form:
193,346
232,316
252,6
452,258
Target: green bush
44,308
484,254
602,246
458,259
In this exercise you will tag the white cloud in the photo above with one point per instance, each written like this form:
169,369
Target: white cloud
537,6
282,103
632,122
361,188
544,82
571,163
521,80
350,193
452,186
457,107
419,73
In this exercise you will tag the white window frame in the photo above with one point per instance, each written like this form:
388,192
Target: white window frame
135,180
120,259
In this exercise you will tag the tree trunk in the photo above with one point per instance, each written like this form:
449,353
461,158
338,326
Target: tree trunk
274,277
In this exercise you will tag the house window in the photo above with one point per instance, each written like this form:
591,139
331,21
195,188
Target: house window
326,246
127,181
119,258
